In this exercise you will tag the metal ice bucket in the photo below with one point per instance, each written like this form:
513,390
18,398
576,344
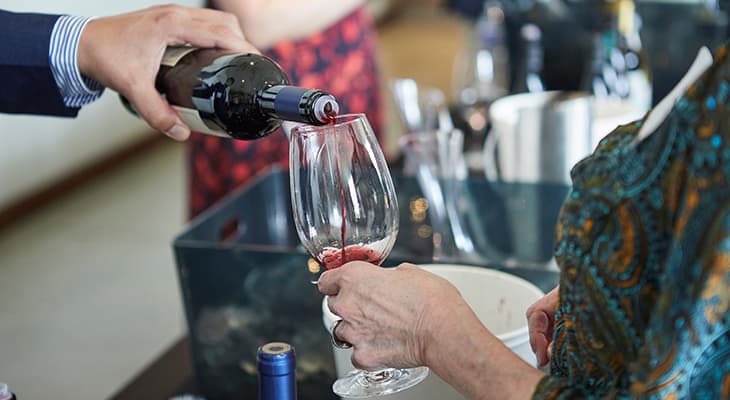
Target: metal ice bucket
538,137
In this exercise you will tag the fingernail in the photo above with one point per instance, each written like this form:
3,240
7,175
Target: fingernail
178,132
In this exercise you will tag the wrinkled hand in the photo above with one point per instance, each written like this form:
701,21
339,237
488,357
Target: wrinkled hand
540,321
389,314
123,52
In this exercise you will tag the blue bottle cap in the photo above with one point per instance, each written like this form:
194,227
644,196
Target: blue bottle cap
276,359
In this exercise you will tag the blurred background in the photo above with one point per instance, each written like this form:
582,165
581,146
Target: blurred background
89,206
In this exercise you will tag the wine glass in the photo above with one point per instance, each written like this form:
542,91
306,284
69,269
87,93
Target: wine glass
345,209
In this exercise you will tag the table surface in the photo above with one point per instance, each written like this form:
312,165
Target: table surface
170,374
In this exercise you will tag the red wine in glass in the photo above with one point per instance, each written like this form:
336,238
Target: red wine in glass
335,258
332,261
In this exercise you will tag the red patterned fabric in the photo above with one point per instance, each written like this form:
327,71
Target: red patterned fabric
340,60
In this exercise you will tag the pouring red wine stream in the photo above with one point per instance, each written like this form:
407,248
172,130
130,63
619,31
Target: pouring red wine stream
334,258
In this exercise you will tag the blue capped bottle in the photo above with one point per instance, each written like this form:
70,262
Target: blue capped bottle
277,377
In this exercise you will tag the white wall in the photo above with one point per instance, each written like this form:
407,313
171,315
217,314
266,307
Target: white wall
87,7
36,151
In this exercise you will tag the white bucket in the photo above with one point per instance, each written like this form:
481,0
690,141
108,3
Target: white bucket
498,299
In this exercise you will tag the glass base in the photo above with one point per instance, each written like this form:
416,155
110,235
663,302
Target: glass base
359,384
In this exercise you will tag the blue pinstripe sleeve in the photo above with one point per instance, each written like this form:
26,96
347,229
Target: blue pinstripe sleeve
76,90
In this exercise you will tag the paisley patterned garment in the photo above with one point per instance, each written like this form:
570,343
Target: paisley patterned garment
341,60
643,242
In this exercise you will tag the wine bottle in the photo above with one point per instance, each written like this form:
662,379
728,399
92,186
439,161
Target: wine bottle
619,69
628,25
529,79
277,376
243,96
480,76
480,73
595,80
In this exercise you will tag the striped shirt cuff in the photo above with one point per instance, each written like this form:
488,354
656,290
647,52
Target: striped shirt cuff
75,89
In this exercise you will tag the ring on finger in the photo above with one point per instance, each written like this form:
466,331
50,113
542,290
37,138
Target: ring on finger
340,344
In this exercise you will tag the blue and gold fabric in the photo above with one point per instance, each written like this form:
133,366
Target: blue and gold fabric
643,242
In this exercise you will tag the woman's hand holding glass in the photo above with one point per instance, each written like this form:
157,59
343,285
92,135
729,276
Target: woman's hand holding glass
389,315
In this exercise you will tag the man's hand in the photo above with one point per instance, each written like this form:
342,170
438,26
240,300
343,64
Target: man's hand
123,52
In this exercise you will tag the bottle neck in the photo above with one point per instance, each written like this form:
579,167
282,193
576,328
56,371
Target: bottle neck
625,17
276,364
532,37
534,58
490,31
618,18
292,103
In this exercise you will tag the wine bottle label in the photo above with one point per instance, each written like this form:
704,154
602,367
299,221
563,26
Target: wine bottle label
195,123
173,54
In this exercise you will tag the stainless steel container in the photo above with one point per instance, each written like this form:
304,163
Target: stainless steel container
538,137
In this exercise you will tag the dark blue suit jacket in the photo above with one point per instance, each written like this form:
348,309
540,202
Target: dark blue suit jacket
28,85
